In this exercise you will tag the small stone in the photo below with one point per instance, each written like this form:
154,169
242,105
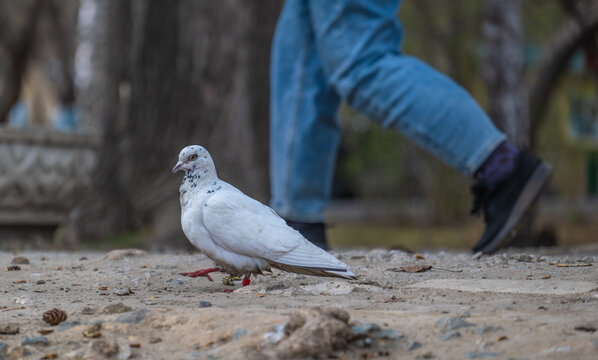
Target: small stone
20,260
88,311
3,348
387,334
9,329
194,354
452,323
132,317
359,343
37,340
362,330
483,329
413,345
204,304
17,352
103,348
449,335
239,333
523,258
13,268
40,282
174,282
83,258
154,340
479,355
116,309
68,324
122,292
367,341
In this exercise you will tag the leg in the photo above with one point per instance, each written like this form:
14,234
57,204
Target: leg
204,272
246,280
304,131
358,42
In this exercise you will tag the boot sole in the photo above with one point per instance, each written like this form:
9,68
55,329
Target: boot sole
529,195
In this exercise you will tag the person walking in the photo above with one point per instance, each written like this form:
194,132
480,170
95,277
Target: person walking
325,52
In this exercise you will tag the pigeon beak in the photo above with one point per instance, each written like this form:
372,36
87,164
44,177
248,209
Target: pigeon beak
178,166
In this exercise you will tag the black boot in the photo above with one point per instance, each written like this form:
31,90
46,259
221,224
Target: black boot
505,202
314,232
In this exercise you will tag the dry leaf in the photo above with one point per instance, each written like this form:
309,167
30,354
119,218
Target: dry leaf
586,328
46,331
50,356
93,332
569,265
260,295
103,288
418,257
19,281
502,338
135,345
546,277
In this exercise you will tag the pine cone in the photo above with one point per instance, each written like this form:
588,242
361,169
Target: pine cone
54,316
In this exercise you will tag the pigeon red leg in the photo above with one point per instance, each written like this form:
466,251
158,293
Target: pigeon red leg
203,272
246,280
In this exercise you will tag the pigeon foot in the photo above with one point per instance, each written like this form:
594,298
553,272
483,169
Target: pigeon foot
204,272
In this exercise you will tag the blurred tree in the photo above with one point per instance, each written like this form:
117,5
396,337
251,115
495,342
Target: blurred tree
579,30
503,69
195,72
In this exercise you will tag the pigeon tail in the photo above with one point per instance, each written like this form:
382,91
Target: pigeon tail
316,271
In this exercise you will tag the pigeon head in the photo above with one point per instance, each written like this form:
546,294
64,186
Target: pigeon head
192,158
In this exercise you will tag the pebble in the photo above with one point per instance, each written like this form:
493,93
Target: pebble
40,282
452,323
154,340
194,354
132,317
20,260
449,335
362,330
3,348
37,340
9,329
68,324
483,329
104,348
414,345
174,282
523,257
122,292
239,333
478,355
88,311
387,334
116,309
204,304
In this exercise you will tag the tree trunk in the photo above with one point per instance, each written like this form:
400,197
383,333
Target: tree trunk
198,73
573,34
503,71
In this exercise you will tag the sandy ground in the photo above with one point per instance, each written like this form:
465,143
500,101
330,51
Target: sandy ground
130,304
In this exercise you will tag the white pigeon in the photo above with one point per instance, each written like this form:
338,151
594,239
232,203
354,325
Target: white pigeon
240,234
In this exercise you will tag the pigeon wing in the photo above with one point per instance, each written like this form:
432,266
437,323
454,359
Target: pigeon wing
245,226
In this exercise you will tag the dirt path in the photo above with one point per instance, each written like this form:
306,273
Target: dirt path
503,306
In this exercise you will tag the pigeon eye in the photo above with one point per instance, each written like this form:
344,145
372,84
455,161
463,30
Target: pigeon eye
192,157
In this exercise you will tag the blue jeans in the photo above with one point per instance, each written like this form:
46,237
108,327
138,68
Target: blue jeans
325,51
